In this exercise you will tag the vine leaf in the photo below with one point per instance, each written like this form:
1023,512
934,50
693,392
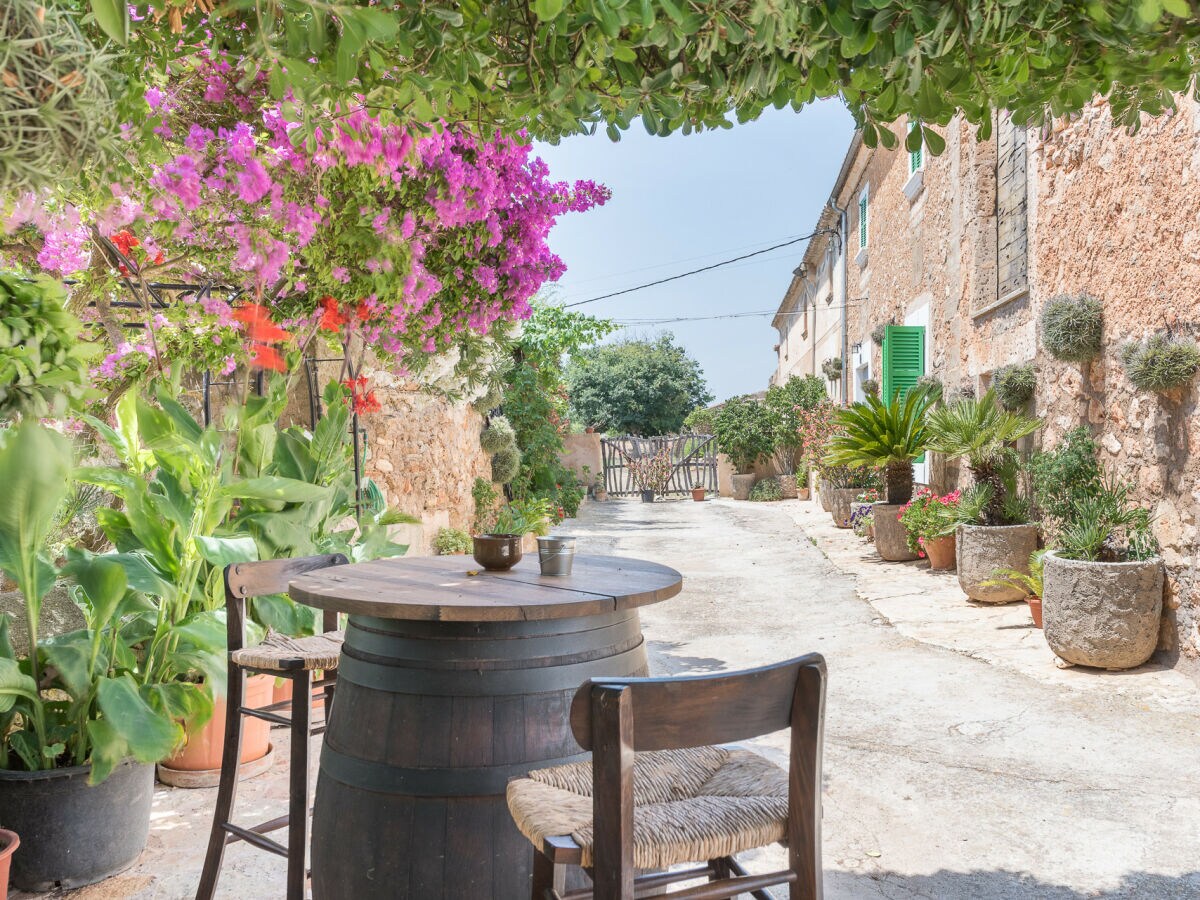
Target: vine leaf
113,17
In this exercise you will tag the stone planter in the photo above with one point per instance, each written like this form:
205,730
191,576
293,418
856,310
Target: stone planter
741,486
982,549
823,489
941,552
891,537
1105,615
839,504
854,514
787,486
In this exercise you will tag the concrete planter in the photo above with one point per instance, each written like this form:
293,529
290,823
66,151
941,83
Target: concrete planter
741,486
854,514
982,549
839,504
891,537
787,486
1105,615
823,497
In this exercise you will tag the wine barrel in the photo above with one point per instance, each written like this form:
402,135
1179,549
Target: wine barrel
429,722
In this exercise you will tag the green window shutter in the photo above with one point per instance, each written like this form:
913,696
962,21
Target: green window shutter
862,221
903,362
903,359
914,156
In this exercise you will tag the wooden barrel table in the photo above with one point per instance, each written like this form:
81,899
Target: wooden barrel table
450,684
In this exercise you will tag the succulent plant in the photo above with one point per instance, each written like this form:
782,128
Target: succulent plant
879,332
1014,386
498,435
1073,327
505,465
832,368
1160,363
870,387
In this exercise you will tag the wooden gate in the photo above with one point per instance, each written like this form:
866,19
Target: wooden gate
693,462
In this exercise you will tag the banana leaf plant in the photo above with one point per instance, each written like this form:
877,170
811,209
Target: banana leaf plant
94,696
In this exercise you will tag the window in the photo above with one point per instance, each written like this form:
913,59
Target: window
1012,239
863,214
916,158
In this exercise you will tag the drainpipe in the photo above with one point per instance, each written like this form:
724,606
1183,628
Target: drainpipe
841,301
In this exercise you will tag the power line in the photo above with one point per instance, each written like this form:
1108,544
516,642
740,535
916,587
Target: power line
703,269
625,323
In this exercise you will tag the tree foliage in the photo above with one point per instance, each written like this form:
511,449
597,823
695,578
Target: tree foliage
744,432
559,68
642,387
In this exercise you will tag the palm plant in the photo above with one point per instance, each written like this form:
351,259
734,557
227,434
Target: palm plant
884,435
1030,583
981,431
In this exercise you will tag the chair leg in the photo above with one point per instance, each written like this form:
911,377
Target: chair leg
546,880
298,784
231,756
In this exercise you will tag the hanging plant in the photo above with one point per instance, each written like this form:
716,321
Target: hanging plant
498,435
832,368
879,332
1072,327
1014,386
870,387
1160,362
506,464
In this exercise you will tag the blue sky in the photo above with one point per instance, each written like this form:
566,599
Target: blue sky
680,203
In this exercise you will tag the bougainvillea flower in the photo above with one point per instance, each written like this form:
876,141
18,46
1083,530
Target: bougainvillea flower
125,241
267,357
332,318
259,326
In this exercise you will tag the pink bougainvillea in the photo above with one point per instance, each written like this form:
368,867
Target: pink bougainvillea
405,240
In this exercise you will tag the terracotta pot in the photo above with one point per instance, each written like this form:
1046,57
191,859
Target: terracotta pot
282,692
698,494
1035,609
1105,615
8,843
802,493
891,537
787,486
742,485
941,553
204,746
982,549
601,496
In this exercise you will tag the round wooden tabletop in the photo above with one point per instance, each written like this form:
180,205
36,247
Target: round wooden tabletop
456,589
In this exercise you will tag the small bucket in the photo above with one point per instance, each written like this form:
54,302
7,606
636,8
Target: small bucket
556,554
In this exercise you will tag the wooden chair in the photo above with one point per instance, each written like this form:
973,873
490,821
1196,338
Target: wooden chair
295,659
659,791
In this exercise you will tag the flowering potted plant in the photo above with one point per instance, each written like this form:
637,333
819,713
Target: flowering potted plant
815,426
652,473
929,522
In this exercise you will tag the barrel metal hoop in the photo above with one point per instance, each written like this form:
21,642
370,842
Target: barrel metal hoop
483,682
382,778
440,630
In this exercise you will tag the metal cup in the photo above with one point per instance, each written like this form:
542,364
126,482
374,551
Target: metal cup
556,554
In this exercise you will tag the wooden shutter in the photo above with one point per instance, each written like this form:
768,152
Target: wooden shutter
862,220
903,359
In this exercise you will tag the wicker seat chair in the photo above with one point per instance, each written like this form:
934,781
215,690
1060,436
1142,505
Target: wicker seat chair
296,659
661,790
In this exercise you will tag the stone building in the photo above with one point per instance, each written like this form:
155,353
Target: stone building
962,250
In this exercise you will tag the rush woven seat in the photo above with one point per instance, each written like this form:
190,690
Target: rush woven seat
280,653
699,803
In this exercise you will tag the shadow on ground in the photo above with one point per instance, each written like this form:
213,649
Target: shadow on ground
1003,885
665,660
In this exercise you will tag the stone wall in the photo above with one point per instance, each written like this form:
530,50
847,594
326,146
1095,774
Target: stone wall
580,450
424,453
1113,214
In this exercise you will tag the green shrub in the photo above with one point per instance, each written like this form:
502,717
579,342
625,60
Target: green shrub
832,368
449,541
766,490
701,420
1073,327
505,465
1014,386
1160,363
485,497
744,433
1064,476
498,435
1108,527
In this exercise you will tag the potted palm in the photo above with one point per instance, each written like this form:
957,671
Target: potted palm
84,716
995,530
888,436
744,435
1032,583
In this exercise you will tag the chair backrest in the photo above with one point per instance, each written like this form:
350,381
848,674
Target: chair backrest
693,711
615,717
261,579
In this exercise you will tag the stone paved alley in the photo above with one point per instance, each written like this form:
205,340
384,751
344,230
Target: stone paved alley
951,770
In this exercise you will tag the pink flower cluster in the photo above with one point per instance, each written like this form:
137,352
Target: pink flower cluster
426,234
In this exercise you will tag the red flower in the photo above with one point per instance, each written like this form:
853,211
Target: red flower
362,401
267,357
121,268
125,241
332,318
159,258
258,324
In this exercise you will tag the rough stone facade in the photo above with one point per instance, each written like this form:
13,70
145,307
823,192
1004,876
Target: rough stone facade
977,241
424,453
